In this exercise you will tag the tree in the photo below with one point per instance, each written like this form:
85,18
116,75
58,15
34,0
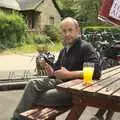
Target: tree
83,10
87,10
66,7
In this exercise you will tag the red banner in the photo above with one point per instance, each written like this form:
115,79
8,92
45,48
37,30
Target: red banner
110,11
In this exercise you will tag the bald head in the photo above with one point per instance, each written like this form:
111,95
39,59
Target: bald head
70,20
70,30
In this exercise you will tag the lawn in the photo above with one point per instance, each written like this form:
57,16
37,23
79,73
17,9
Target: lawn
32,48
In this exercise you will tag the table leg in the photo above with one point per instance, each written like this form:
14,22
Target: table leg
109,115
75,112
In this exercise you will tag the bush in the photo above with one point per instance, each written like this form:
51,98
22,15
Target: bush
12,30
29,38
107,33
53,32
41,39
101,29
33,38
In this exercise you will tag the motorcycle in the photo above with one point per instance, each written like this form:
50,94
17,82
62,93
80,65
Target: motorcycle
109,53
44,56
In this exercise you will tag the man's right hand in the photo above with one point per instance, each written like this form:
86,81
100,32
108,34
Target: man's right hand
49,70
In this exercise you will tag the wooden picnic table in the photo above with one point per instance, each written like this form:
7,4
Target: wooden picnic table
104,93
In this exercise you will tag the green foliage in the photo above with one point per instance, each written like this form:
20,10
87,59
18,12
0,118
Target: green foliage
41,39
53,32
102,33
12,30
33,38
101,29
85,11
65,10
29,38
32,48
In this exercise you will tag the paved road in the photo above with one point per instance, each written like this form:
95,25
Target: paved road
17,61
9,99
17,65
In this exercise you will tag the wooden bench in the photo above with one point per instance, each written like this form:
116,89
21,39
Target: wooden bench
44,113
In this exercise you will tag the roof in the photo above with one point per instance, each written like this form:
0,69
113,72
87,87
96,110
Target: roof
28,4
13,4
22,4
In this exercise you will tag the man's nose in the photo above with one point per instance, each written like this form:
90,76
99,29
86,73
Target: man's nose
67,33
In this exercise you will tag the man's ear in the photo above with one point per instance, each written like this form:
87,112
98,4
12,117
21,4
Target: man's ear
78,29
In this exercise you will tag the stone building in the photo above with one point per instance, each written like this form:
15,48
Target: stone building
37,13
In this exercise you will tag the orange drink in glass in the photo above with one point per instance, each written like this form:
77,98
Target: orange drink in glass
88,70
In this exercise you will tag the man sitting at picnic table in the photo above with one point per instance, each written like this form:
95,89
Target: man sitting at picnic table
69,66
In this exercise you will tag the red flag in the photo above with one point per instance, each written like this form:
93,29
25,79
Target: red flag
110,11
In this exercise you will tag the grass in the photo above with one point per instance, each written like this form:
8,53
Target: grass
57,47
32,48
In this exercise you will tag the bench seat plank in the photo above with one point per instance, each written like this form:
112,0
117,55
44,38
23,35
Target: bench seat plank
44,113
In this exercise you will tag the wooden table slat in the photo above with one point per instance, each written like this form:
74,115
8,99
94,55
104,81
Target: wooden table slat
95,87
117,93
69,83
101,84
108,90
109,74
79,86
111,69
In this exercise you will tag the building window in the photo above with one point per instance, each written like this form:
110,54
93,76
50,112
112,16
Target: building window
51,20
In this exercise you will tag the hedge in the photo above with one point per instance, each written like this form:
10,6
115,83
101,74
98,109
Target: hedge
107,33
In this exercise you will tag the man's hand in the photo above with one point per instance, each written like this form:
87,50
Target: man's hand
49,70
62,73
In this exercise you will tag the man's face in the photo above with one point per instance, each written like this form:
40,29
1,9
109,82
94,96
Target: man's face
70,32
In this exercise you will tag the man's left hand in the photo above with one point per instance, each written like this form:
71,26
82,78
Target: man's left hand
62,73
